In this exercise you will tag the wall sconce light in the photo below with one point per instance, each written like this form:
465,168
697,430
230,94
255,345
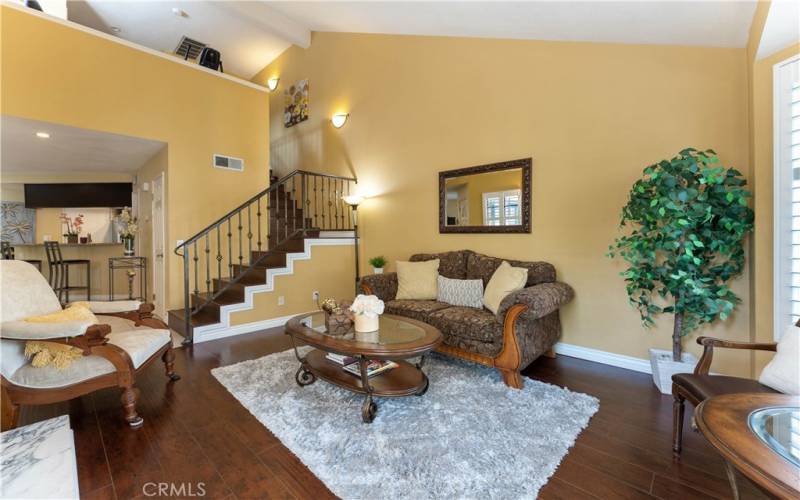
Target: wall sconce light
339,119
272,83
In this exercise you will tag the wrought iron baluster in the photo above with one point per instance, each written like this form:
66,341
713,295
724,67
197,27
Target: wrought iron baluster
303,182
230,249
187,311
240,241
208,266
323,200
258,224
335,204
294,205
316,204
249,234
285,212
349,219
196,258
219,255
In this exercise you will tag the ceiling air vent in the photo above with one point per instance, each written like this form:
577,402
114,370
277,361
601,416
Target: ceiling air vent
188,48
228,163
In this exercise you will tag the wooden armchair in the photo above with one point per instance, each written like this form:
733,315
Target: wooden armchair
128,339
699,386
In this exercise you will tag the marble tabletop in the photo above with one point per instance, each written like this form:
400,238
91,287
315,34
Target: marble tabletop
38,461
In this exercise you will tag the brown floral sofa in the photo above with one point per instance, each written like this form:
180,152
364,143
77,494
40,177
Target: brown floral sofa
525,327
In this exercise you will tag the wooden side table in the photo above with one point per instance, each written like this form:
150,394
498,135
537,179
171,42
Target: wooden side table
131,264
747,430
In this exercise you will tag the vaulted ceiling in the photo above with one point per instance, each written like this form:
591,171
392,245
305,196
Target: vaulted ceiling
250,34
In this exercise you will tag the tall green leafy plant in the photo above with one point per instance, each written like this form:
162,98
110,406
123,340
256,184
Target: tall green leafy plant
686,220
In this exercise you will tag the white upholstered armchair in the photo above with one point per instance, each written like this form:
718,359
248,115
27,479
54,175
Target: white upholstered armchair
126,339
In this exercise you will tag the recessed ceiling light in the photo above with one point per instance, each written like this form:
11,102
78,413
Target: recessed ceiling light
116,29
42,135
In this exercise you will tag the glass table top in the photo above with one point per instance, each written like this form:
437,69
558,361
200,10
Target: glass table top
390,330
779,429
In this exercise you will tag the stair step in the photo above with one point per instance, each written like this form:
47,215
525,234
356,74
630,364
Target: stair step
201,318
234,292
291,245
272,259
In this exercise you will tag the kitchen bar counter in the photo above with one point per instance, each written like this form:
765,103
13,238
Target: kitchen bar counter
97,253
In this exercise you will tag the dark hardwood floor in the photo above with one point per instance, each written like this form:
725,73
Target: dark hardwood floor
196,432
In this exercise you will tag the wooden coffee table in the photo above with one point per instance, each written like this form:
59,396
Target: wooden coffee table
752,432
397,339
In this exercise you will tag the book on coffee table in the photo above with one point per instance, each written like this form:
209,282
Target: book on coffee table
374,367
340,359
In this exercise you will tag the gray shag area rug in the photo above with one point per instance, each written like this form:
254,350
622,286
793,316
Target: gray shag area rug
469,436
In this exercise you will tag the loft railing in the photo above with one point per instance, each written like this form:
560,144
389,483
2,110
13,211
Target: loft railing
298,205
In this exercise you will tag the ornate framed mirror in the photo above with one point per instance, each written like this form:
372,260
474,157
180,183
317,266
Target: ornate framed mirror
493,198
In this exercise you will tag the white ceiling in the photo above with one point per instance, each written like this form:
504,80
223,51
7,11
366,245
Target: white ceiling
250,34
673,22
69,149
781,29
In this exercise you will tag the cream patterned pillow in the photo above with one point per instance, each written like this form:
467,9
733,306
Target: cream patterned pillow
505,280
467,293
417,280
783,372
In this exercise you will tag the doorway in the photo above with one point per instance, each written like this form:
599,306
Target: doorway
159,270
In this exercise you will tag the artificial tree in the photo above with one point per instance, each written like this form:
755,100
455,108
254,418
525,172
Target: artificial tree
689,217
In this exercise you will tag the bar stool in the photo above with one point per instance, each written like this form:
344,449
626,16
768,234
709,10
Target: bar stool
7,253
59,271
6,250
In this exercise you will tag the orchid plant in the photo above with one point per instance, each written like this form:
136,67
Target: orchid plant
73,226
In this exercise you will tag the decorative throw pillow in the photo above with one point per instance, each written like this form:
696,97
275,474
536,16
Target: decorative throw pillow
783,372
72,313
417,280
467,293
505,280
45,353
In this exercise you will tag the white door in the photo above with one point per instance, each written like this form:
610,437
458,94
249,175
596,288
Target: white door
159,290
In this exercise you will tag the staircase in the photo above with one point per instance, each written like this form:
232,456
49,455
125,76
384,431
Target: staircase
262,234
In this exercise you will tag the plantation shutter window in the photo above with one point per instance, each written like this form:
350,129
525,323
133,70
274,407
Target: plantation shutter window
787,194
502,208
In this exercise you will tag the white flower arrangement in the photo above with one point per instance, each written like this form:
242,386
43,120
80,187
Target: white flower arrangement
128,224
367,305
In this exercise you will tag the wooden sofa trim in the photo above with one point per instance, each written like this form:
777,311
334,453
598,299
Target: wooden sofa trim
507,361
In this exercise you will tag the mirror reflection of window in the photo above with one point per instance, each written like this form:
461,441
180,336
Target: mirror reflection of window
502,208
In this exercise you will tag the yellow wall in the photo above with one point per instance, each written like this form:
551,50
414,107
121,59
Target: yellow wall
55,73
330,271
592,116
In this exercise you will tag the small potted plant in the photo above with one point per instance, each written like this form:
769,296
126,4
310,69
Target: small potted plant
378,263
128,229
72,227
366,310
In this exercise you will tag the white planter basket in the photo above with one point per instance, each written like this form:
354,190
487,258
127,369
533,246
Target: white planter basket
377,270
364,323
664,367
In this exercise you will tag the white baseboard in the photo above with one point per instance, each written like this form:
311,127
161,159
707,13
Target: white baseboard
606,358
243,328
